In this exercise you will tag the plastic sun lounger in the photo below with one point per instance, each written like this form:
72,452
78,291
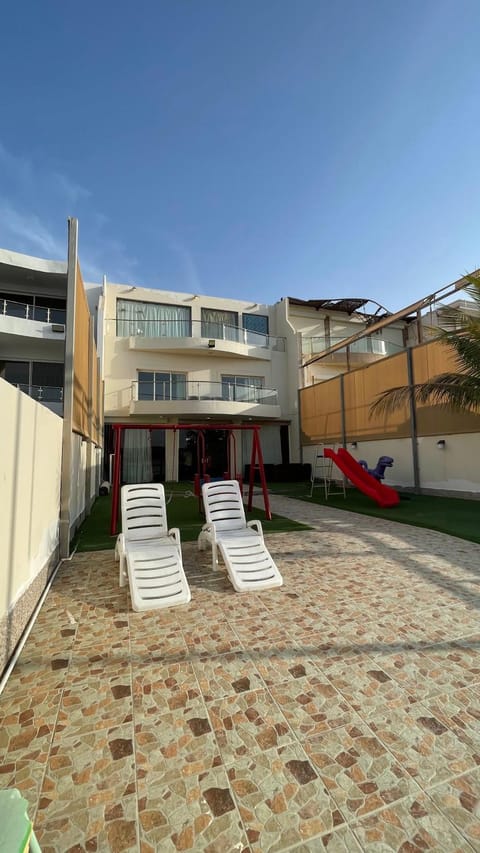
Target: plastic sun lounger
150,554
248,562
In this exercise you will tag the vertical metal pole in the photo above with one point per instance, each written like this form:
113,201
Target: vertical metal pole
66,476
91,367
342,410
117,431
413,422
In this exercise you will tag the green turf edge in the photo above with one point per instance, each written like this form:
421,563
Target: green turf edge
93,534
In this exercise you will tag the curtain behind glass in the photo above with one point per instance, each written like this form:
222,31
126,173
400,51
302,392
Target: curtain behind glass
137,456
152,320
221,325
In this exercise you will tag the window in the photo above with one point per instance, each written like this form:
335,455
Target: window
41,379
222,325
244,389
256,323
152,320
32,307
161,386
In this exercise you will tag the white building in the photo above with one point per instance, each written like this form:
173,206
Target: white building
32,326
181,358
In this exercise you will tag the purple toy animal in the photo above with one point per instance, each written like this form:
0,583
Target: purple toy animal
379,471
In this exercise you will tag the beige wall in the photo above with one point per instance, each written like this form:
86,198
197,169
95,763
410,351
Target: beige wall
30,466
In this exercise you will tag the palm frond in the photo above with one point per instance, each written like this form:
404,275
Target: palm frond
457,391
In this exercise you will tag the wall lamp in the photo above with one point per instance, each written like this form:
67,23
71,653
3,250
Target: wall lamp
441,444
211,344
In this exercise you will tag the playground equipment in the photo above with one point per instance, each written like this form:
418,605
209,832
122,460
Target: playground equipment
256,459
379,471
383,495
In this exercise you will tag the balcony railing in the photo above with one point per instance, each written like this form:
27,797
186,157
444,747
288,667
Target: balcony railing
188,390
32,312
372,346
42,393
197,329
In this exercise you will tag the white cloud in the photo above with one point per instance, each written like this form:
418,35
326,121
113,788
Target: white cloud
31,233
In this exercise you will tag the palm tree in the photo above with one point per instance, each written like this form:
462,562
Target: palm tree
461,390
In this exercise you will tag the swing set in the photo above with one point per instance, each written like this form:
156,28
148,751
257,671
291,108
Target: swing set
256,460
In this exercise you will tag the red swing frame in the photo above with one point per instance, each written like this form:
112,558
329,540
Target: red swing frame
256,460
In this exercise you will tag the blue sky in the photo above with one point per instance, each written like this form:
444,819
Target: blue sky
252,149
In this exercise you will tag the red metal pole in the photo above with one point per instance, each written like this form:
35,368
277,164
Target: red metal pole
117,431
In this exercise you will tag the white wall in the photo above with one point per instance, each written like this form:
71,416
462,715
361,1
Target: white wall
454,469
30,467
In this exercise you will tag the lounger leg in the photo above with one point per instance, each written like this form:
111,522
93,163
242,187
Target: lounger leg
122,571
214,557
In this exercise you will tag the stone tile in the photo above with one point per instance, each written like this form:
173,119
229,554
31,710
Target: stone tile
247,722
459,710
26,775
281,665
342,840
195,812
459,800
211,638
90,704
420,674
423,745
177,745
367,686
38,674
27,723
160,688
359,772
258,635
87,769
411,825
226,675
109,825
312,705
281,797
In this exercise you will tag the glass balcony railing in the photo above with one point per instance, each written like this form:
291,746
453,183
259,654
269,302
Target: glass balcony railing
32,312
312,346
188,390
42,393
197,329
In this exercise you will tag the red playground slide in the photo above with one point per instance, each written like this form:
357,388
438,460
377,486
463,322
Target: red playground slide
383,495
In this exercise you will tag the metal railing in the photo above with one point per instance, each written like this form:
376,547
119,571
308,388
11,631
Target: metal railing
197,329
32,312
190,390
42,393
373,346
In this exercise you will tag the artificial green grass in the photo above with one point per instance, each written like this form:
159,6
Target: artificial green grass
182,512
455,516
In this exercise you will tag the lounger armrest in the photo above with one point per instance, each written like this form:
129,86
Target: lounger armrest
174,532
119,546
256,524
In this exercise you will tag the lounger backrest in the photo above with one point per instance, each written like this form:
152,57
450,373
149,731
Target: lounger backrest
224,505
144,513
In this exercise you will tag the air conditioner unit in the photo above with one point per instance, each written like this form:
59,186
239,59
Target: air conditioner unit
58,327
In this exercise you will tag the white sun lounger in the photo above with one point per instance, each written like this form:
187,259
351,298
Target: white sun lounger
150,554
248,562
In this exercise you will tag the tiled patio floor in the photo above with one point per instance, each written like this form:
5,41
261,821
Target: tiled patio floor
341,712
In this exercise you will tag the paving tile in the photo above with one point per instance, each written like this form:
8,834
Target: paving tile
459,800
101,826
366,685
195,812
414,824
94,704
459,710
281,665
342,840
211,638
178,744
419,674
312,705
226,675
281,797
258,635
423,745
87,769
247,722
27,723
359,772
160,688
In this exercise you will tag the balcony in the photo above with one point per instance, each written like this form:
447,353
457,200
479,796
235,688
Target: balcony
179,336
203,399
359,352
50,396
32,321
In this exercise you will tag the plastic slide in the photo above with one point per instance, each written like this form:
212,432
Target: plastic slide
383,495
